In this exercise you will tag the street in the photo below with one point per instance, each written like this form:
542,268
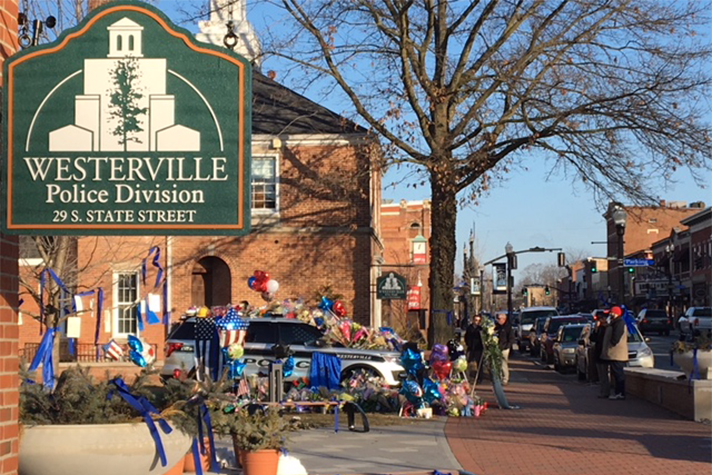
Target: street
661,349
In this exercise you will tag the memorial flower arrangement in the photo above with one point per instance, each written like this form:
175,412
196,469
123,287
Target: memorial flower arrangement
492,355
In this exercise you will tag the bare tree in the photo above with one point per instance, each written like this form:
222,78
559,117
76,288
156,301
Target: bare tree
613,92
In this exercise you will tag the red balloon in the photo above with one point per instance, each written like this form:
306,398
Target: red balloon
260,275
442,369
339,309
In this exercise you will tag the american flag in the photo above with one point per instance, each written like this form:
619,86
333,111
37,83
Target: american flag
113,350
243,389
232,328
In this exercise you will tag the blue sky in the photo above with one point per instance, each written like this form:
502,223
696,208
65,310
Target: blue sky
530,208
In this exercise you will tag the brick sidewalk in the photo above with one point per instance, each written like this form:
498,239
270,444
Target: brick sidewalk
562,428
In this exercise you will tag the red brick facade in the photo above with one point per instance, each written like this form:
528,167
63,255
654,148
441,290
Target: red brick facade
9,363
402,224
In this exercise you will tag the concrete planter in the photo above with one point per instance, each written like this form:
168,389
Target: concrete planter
106,449
686,363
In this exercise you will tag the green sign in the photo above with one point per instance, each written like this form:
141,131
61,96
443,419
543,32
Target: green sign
126,125
391,286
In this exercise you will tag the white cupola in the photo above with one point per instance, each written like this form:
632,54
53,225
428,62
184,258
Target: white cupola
214,30
125,39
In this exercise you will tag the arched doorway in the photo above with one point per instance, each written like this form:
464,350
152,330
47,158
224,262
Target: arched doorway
211,282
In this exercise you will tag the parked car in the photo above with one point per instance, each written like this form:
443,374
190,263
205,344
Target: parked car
526,320
654,320
534,334
303,340
639,355
549,332
696,320
565,344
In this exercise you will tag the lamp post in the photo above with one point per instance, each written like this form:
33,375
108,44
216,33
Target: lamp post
669,252
511,264
619,219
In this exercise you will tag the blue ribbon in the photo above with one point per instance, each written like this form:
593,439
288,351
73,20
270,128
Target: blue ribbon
204,417
695,365
196,458
99,306
629,320
151,316
43,283
142,405
44,356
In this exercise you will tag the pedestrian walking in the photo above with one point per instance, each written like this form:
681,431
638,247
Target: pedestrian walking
601,366
475,348
615,350
505,333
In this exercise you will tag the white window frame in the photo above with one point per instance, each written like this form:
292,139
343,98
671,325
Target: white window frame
267,211
118,306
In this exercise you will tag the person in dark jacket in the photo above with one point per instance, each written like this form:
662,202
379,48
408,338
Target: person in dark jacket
505,333
473,342
615,350
604,379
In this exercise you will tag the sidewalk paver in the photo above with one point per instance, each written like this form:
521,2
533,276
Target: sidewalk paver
563,428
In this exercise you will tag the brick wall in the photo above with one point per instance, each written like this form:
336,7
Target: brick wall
9,380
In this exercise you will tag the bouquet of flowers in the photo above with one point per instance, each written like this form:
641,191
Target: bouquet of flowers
492,355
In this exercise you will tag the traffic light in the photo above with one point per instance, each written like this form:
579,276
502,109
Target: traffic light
525,291
561,259
631,270
546,290
594,267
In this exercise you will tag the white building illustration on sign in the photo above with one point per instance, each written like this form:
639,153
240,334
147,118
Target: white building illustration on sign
134,113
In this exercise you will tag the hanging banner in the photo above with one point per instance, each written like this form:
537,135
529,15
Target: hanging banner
413,298
475,286
499,277
126,125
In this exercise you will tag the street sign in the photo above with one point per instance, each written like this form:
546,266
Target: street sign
391,286
126,125
638,262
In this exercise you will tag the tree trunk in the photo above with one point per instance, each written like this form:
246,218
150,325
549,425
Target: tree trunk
442,256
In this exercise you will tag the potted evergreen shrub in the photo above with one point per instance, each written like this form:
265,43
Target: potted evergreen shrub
694,356
258,436
85,427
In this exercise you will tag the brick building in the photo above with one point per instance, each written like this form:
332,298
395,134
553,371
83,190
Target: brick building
644,226
9,362
405,232
315,198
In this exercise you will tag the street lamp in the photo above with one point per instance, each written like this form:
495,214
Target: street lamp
511,264
669,253
619,219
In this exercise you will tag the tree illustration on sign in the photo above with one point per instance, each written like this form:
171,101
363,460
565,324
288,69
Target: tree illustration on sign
124,101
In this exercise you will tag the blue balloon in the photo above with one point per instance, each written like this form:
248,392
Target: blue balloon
412,361
326,304
319,321
137,358
431,391
412,391
251,282
288,367
135,344
237,369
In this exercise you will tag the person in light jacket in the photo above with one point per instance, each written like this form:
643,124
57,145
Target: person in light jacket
615,350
